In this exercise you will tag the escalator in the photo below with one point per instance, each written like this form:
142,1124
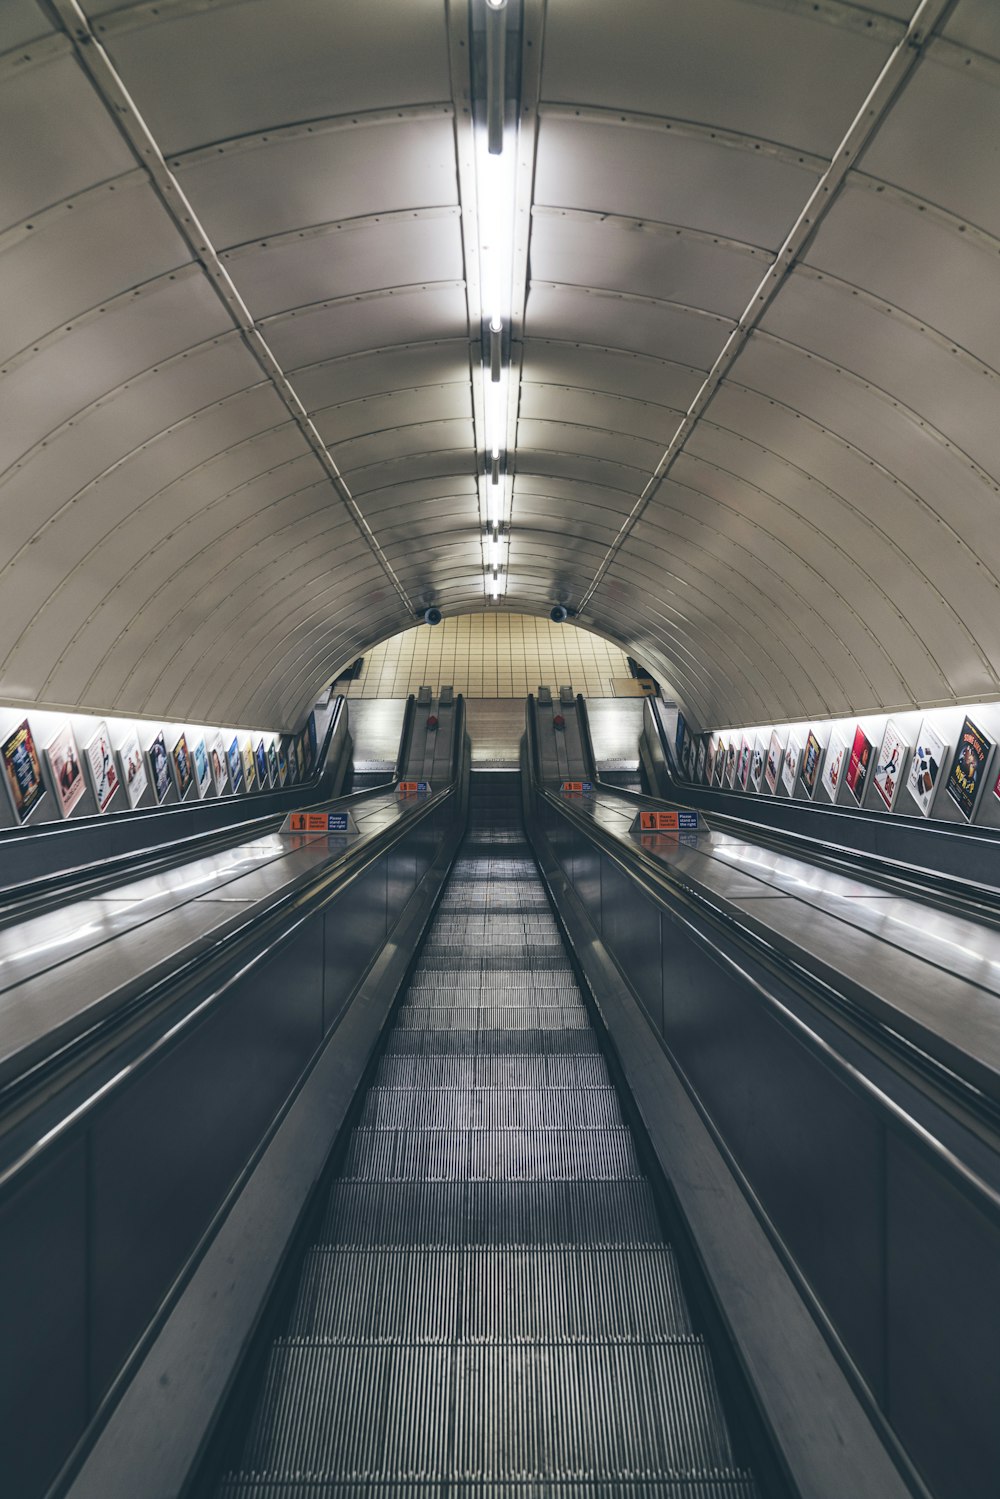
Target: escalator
490,1306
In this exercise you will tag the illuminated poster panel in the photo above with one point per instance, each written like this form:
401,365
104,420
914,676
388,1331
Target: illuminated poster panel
132,768
757,764
968,768
790,762
833,769
859,764
217,765
249,772
22,771
812,755
67,771
925,768
202,773
889,765
772,764
235,766
181,756
159,767
103,775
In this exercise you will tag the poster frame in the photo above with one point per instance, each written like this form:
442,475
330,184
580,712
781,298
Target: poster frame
24,796
929,743
104,787
158,764
64,739
129,754
892,731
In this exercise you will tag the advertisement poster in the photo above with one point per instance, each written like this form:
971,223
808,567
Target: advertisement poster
249,771
720,761
790,765
710,755
260,758
833,769
300,758
811,757
772,765
272,764
743,768
202,774
181,756
282,763
22,771
103,775
731,756
700,767
235,766
291,769
679,738
67,772
925,767
889,765
968,768
757,764
312,744
859,764
217,765
159,767
132,767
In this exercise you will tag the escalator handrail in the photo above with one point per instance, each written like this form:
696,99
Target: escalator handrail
405,734
241,951
668,897
586,742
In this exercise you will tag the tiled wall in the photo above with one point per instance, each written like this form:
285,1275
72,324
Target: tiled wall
492,655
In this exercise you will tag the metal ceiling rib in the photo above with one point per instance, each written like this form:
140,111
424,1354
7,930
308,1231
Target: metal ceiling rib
751,429
887,85
114,93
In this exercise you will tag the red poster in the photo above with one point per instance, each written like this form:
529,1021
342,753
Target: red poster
859,764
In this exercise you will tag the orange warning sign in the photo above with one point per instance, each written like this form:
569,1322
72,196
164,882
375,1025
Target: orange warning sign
667,822
576,787
307,822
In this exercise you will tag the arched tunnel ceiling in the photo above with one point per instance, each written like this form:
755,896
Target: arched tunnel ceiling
753,421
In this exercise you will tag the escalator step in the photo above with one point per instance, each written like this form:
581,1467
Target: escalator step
526,1071
733,1485
496,1043
492,1108
426,1410
615,1212
528,993
478,1294
490,1155
487,1017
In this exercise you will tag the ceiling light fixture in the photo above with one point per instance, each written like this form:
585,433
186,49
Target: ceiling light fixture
496,176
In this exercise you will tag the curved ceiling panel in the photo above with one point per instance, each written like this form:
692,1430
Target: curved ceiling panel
749,352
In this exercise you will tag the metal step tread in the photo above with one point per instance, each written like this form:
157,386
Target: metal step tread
488,1212
488,993
490,1155
496,1017
556,1293
492,1108
526,1070
724,1485
421,1409
480,1043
